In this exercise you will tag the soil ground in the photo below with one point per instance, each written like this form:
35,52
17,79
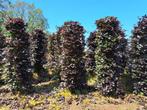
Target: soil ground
47,96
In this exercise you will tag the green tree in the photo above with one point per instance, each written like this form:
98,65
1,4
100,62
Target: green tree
29,13
4,4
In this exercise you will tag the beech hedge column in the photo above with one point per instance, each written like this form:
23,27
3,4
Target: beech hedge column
2,56
19,76
72,63
138,56
39,49
110,55
90,54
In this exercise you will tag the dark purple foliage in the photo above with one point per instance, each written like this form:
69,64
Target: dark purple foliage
19,76
72,63
110,56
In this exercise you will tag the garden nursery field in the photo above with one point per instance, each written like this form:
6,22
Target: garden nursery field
65,70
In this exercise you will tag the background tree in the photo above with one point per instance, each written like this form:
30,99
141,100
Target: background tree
29,13
90,54
54,51
138,56
72,64
110,55
4,4
39,49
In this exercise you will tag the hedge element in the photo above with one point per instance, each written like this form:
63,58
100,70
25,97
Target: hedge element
138,56
2,57
72,63
90,54
110,55
39,49
54,53
19,77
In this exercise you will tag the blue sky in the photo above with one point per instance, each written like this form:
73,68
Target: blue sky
87,11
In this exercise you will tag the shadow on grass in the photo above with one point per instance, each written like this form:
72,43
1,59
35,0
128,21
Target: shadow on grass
46,87
83,91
